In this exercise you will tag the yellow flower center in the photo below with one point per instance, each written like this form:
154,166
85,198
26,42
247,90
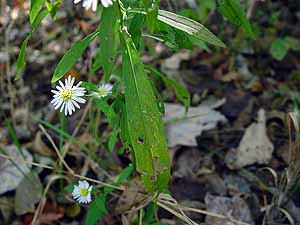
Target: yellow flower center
84,192
67,94
101,91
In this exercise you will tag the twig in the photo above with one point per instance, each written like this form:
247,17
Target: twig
205,212
251,8
143,205
67,145
141,217
180,216
42,202
66,172
165,199
55,148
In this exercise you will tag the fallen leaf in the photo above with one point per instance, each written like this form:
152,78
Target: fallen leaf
131,198
234,207
175,60
51,213
7,209
41,147
12,173
31,185
182,128
255,146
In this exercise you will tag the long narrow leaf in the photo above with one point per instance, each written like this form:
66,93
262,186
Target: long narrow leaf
235,13
72,56
35,8
145,127
21,61
189,26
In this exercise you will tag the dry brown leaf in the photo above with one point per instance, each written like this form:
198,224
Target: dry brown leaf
235,208
12,173
131,198
255,146
182,129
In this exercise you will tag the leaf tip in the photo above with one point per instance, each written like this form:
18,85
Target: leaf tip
54,79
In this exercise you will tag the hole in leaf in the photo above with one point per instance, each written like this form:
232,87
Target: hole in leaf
141,140
153,177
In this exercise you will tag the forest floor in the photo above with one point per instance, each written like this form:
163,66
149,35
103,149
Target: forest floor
230,156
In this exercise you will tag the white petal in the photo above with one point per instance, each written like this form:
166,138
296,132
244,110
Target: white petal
62,106
76,104
78,99
94,7
66,109
79,83
55,92
85,184
72,81
58,104
59,88
61,84
69,108
106,3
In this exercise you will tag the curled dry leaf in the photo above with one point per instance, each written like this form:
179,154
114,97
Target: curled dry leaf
255,146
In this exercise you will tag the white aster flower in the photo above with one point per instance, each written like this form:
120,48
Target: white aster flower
67,96
103,90
87,4
82,192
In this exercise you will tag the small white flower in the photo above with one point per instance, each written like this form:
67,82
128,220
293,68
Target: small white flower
67,96
82,192
103,90
87,4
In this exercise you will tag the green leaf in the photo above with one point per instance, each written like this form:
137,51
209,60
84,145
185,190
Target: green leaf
72,56
69,188
152,14
124,133
52,8
199,43
235,13
35,8
146,3
113,140
189,26
135,29
145,127
120,179
89,86
205,6
292,43
181,92
96,210
107,110
108,42
21,61
278,49
159,99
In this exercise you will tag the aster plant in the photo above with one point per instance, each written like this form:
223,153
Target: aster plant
131,103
